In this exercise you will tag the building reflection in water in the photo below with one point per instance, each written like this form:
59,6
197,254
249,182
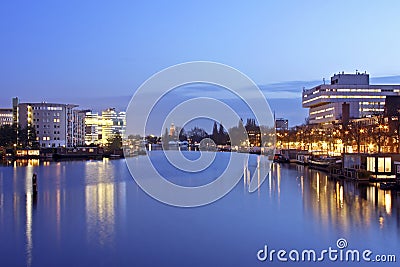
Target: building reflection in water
340,203
100,212
261,170
102,197
275,181
58,194
28,229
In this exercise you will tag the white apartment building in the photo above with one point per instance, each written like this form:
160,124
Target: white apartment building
351,93
56,125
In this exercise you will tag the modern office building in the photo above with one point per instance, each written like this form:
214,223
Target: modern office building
78,134
6,116
348,96
92,128
113,123
15,102
56,125
100,128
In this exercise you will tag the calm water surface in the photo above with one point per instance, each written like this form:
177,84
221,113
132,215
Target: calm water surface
91,213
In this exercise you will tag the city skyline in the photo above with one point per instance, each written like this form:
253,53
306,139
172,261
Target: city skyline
291,92
81,52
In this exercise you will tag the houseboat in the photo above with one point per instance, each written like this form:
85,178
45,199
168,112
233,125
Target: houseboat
78,152
378,167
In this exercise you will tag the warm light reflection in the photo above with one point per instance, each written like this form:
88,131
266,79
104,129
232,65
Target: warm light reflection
318,186
100,215
58,212
28,228
344,204
270,183
341,196
381,221
302,185
279,181
258,174
388,202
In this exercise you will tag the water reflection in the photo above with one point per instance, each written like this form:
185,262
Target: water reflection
274,182
100,212
81,217
340,203
28,229
259,170
68,193
102,198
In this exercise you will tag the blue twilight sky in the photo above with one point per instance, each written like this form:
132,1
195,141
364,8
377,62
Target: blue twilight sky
96,53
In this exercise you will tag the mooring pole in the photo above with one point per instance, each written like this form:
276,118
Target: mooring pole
34,184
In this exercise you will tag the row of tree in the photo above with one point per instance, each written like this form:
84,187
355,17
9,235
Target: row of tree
378,134
234,136
12,135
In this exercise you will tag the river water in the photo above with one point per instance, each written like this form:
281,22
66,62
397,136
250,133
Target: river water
92,213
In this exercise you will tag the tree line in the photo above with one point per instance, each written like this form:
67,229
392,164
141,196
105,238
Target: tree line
234,136
16,136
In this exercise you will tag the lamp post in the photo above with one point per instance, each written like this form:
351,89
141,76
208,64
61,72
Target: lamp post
379,137
363,141
398,131
287,144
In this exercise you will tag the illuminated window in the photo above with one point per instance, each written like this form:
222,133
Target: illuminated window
388,164
371,164
384,164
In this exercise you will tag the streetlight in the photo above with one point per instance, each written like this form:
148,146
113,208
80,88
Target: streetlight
362,133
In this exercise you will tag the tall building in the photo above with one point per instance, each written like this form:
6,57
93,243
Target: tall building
6,116
92,128
78,134
100,128
15,103
56,125
112,123
347,96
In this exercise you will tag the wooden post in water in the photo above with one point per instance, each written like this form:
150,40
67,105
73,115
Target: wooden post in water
34,184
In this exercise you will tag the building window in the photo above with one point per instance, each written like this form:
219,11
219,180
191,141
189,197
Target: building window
371,164
384,164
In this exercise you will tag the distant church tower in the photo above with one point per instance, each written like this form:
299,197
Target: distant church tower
172,130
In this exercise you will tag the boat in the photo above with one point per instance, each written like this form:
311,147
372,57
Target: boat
183,145
324,163
303,158
278,158
78,153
